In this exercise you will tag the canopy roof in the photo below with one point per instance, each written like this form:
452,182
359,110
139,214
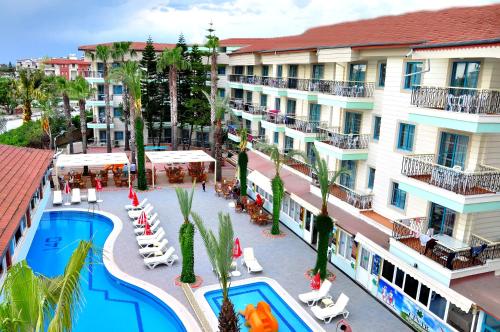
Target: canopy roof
172,157
91,159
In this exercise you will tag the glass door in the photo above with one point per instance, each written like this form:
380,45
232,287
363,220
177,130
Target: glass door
348,180
292,76
465,74
357,72
452,150
314,112
352,123
288,143
290,111
442,219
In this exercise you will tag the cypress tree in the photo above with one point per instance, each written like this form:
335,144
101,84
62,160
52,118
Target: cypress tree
150,88
141,164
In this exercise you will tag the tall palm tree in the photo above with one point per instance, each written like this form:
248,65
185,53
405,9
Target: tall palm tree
220,254
213,45
28,86
278,158
119,50
173,61
80,90
186,235
323,222
64,87
221,106
33,302
103,53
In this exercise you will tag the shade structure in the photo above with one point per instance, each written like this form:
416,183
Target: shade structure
237,248
178,157
316,282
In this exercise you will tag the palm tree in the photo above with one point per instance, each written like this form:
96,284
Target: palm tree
220,254
323,221
221,106
63,85
103,53
119,50
28,87
278,159
32,302
174,61
212,44
80,90
186,235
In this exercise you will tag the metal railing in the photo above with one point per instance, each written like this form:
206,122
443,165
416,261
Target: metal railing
245,79
333,137
303,124
460,100
254,109
484,179
350,196
93,74
274,117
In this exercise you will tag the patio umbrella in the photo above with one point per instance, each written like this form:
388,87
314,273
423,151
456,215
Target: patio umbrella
237,249
316,282
147,229
130,192
135,200
143,218
67,191
98,188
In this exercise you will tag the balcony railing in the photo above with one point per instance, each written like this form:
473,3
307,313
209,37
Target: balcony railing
483,180
409,232
93,74
343,141
303,124
274,117
240,104
460,100
356,199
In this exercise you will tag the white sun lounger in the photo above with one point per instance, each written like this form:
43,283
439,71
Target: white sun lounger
311,298
75,196
91,195
151,220
142,237
57,200
158,249
250,261
328,313
138,207
154,227
136,213
149,240
168,259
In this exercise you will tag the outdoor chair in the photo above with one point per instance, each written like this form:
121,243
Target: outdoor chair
157,249
75,196
168,259
312,297
328,313
250,261
138,207
57,200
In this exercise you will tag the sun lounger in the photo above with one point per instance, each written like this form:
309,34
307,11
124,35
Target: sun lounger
158,249
330,312
91,195
130,207
57,198
151,220
136,213
75,196
311,298
149,240
250,261
168,259
154,228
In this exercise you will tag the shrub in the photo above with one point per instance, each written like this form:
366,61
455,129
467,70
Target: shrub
141,164
325,227
278,190
29,134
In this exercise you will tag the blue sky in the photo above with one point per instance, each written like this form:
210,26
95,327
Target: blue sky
36,28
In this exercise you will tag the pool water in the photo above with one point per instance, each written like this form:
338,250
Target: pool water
109,304
252,293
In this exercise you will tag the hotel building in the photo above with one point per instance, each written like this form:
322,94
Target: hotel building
410,106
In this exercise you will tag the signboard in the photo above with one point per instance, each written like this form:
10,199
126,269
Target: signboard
413,314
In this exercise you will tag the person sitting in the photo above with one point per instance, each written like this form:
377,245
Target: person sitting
259,201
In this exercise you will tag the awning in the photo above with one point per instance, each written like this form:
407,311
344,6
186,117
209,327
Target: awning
91,159
457,299
260,180
314,210
181,157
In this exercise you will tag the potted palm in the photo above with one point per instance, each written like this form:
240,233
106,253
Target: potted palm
186,235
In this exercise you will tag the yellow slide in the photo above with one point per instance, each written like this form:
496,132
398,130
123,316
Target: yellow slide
260,319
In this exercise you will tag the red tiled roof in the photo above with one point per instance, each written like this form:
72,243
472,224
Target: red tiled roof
21,170
56,61
452,26
136,46
482,289
239,41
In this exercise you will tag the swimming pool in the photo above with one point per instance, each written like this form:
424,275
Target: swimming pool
110,304
290,315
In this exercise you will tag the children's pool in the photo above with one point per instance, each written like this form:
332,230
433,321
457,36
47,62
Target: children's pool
109,304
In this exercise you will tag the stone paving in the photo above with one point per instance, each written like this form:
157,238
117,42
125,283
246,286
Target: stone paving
284,259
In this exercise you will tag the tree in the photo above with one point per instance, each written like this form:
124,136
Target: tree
33,302
63,86
186,235
47,100
28,87
80,90
150,88
8,94
220,254
141,162
173,60
103,53
243,161
213,45
323,221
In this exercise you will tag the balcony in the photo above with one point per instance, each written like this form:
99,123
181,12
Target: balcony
463,191
342,146
358,200
247,82
273,121
253,112
294,163
94,76
99,124
302,128
97,100
410,233
471,110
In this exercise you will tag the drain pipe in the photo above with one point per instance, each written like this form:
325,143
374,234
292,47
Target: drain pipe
425,70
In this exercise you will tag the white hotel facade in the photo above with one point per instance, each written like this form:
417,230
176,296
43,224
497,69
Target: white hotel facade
410,105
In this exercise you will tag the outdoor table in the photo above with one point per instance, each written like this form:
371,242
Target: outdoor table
449,242
327,302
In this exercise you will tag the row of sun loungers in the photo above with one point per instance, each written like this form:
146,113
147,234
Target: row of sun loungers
76,197
322,305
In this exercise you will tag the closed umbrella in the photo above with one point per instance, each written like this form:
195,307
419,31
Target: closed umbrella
147,229
316,282
237,249
143,218
135,200
130,192
67,191
98,188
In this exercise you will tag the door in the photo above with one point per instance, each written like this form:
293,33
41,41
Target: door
453,150
357,72
292,76
348,180
308,227
310,154
465,74
352,123
290,111
363,270
288,143
442,219
314,113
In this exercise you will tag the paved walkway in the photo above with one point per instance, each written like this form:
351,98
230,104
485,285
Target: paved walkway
285,259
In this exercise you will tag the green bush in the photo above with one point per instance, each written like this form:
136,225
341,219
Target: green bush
325,227
30,134
242,164
278,190
141,164
186,239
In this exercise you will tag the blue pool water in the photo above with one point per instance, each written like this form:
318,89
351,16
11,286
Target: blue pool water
110,304
288,320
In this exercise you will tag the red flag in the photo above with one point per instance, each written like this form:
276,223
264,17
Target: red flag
130,192
237,249
316,282
147,229
67,188
135,200
98,185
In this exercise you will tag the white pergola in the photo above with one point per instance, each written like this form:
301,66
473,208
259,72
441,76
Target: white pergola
178,157
91,159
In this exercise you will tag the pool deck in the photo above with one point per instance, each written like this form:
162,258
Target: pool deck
285,259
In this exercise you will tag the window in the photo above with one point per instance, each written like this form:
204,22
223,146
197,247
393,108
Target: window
388,270
250,70
293,71
352,123
288,143
459,319
345,245
117,89
117,112
279,71
371,177
414,68
405,136
276,137
102,135
314,112
101,110
465,74
238,93
411,286
238,70
437,305
423,297
400,277
377,120
398,197
249,96
290,107
115,65
277,104
221,70
265,71
317,72
348,180
221,92
381,74
263,100
364,259
118,135
285,204
357,72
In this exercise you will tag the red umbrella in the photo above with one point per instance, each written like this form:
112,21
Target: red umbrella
237,249
316,282
147,229
130,192
135,200
98,185
143,218
67,188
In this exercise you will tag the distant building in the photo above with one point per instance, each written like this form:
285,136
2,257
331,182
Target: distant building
28,63
69,67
